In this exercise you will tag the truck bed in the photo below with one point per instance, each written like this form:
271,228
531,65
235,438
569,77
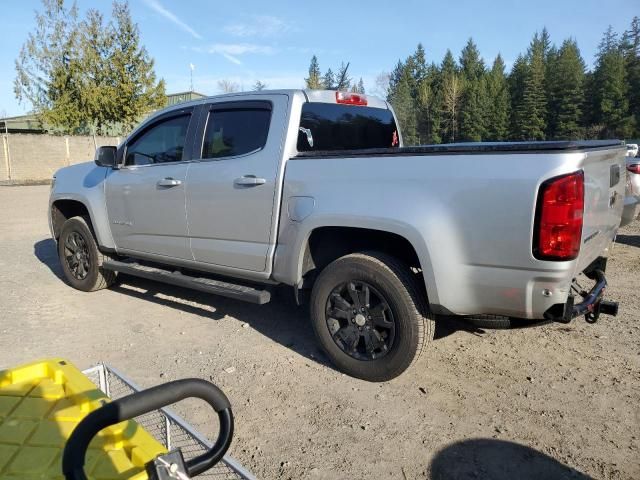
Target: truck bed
471,219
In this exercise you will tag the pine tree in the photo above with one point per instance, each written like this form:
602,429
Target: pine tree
610,104
258,86
498,102
329,80
533,109
420,91
97,46
47,69
419,64
403,104
517,78
343,81
85,77
394,78
472,108
566,93
136,89
360,87
449,66
631,51
314,81
545,43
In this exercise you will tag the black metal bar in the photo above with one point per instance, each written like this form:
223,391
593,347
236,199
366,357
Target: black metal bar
145,401
593,297
202,284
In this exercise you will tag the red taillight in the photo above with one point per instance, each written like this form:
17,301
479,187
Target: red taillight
634,168
558,229
351,98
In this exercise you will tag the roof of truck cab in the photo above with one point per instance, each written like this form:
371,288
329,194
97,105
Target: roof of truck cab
325,96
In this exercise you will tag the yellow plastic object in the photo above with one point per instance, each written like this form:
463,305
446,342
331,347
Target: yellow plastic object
40,405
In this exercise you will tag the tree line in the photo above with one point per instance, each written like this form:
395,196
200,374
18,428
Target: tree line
548,93
87,75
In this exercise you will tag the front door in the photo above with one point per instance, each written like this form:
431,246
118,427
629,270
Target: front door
146,196
231,189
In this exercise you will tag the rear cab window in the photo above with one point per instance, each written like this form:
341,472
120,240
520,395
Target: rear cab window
329,126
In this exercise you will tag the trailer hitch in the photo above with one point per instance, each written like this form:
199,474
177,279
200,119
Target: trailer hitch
591,307
604,307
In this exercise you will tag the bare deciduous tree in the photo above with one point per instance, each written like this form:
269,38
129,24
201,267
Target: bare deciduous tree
382,85
451,93
228,86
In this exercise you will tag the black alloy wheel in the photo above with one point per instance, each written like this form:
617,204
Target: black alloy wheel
76,255
360,320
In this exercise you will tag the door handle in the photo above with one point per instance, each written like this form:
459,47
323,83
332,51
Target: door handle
249,181
169,182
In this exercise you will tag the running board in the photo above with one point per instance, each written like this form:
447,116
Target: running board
202,284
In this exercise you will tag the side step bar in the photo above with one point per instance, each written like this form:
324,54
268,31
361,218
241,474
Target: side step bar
202,284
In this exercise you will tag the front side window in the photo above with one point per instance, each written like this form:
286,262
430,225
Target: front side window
235,132
162,143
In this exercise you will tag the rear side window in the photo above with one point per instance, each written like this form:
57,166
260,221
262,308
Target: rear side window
328,126
235,132
161,143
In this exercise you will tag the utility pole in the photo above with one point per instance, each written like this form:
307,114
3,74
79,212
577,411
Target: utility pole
191,68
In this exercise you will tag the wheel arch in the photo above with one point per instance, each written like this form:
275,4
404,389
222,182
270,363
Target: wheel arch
64,208
323,244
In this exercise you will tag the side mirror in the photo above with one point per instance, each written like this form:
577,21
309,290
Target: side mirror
106,156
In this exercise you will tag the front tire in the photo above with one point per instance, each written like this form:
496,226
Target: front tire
80,258
370,315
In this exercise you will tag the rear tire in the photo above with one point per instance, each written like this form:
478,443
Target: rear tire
80,258
370,315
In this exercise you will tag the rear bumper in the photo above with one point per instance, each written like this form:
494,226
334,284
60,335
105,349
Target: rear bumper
592,303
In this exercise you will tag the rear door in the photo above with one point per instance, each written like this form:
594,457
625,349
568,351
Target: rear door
146,196
231,186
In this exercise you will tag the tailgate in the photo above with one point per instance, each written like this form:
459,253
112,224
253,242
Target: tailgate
604,185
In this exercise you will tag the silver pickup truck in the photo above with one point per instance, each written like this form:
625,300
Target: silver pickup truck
235,194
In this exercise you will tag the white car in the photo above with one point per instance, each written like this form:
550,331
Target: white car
631,209
632,149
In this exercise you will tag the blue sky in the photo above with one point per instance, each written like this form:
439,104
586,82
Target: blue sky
245,41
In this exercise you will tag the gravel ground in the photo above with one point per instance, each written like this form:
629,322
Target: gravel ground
550,401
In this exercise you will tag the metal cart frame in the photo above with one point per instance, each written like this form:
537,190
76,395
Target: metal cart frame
165,426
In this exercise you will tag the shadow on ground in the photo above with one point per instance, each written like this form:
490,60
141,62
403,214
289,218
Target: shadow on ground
46,251
631,240
281,320
497,460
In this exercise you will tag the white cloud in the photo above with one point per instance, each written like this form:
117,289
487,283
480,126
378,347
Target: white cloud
259,26
231,51
157,7
239,49
232,59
